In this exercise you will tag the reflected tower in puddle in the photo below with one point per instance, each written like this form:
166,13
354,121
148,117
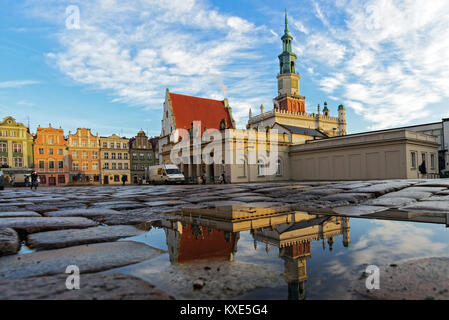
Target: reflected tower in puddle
294,242
212,234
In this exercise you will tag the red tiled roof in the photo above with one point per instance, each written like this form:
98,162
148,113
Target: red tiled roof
187,109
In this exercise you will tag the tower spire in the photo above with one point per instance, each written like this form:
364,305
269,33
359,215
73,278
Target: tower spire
286,31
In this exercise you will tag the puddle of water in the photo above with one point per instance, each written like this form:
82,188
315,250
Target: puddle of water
314,257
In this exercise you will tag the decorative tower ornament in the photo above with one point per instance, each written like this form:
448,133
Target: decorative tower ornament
341,120
325,110
288,98
250,113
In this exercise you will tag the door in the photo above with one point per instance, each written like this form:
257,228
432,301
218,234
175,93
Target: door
51,181
106,180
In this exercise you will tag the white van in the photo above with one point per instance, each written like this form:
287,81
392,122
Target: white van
165,173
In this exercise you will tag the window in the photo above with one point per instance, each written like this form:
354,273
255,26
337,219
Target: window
120,166
112,145
41,150
106,165
423,157
18,162
50,151
413,159
3,133
119,156
84,143
150,157
118,145
105,144
61,164
125,145
143,167
85,154
3,147
41,164
51,165
75,166
50,141
13,134
75,143
113,155
134,156
135,167
94,144
75,154
142,156
260,168
125,156
95,166
3,162
61,179
94,155
60,152
114,166
278,167
117,178
106,155
432,161
126,166
17,147
85,166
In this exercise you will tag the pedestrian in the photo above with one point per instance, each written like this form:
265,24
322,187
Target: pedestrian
34,180
223,178
124,179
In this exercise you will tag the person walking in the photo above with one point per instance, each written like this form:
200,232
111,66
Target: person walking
124,179
34,180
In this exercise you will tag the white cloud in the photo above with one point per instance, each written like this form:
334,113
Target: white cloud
394,55
16,83
136,51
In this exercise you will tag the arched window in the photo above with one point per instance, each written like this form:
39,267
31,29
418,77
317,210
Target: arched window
292,67
260,168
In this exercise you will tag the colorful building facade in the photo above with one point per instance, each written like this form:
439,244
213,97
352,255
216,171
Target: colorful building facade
51,156
115,163
142,156
84,161
16,145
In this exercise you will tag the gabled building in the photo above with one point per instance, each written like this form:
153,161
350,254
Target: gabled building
16,145
84,161
142,156
180,111
51,156
115,163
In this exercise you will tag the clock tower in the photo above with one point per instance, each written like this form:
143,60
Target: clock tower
288,98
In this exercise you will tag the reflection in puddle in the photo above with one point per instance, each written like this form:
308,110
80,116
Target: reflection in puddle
275,240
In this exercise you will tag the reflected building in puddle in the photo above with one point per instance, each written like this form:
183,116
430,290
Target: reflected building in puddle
213,234
294,240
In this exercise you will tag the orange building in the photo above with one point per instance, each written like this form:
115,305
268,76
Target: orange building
51,156
84,157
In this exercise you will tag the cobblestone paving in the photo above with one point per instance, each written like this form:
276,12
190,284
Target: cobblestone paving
95,215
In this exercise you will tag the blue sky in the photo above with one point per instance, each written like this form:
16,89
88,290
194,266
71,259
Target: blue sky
387,62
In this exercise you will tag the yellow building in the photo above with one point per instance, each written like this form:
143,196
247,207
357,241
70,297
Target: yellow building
115,160
16,145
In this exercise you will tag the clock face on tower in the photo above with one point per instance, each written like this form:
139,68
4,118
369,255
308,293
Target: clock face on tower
295,84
